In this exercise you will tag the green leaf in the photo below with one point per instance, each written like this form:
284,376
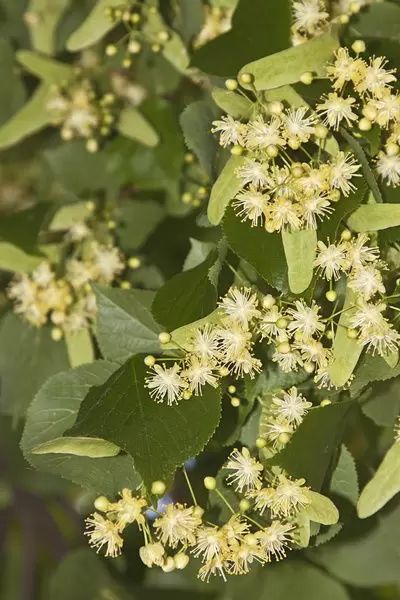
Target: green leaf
264,251
14,259
344,480
325,427
174,50
374,217
247,40
224,189
180,337
383,486
13,94
197,254
321,509
371,368
366,560
345,351
196,122
79,347
90,447
94,27
53,411
69,215
32,117
286,67
187,297
367,171
300,250
45,68
383,402
381,20
137,219
286,580
133,125
232,103
82,575
43,31
22,228
160,438
31,351
125,325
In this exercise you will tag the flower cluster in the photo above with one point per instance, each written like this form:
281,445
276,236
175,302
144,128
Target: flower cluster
274,500
277,191
311,18
364,95
217,21
81,113
283,414
67,301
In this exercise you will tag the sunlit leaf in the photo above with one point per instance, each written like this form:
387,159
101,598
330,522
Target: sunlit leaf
320,509
94,27
374,217
90,447
47,69
300,250
224,189
134,126
383,486
43,30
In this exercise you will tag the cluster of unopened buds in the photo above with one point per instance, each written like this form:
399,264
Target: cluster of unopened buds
144,29
81,113
261,529
194,182
300,336
68,302
311,18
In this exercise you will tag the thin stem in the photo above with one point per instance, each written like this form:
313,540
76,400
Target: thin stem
253,521
225,501
189,486
237,274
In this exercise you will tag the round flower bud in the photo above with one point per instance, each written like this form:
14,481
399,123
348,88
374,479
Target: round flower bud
235,402
283,347
163,36
268,301
210,483
331,295
164,337
111,224
329,334
181,560
90,206
125,285
92,146
392,149
126,63
231,84
66,134
189,158
307,78
231,389
246,78
320,131
294,143
169,565
135,18
309,368
364,124
275,107
187,395
156,48
56,334
352,333
187,198
282,323
370,112
134,262
335,196
359,46
244,505
202,192
344,19
346,235
236,150
149,361
111,50
297,171
325,402
283,438
251,539
224,371
261,443
355,7
134,47
158,488
198,512
272,151
101,503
